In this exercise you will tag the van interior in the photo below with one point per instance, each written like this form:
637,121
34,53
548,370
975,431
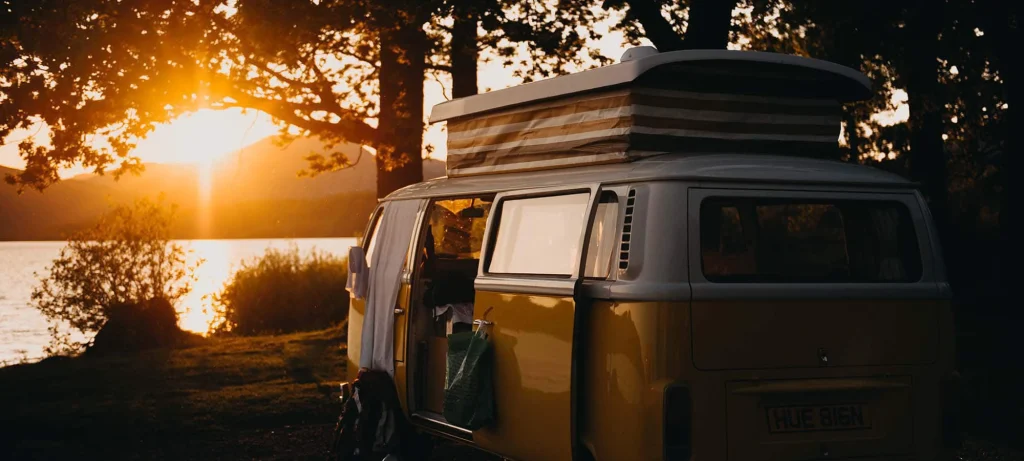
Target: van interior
443,293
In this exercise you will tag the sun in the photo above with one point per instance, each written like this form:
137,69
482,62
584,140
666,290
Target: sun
204,136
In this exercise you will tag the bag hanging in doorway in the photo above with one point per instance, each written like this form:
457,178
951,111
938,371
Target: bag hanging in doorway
469,382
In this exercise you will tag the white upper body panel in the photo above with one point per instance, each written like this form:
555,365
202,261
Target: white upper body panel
731,168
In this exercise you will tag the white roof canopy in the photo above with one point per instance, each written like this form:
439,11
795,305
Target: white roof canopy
700,68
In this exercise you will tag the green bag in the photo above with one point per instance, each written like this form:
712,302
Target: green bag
469,380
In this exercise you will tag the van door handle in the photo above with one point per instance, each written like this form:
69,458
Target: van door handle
399,311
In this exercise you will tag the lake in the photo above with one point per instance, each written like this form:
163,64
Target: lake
23,331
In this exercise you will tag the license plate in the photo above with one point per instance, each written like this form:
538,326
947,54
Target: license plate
813,418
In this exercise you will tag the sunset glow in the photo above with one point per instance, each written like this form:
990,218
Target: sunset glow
196,308
204,137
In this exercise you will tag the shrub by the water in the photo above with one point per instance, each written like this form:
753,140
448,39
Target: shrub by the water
283,291
137,327
126,261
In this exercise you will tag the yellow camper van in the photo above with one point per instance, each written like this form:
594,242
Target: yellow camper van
672,268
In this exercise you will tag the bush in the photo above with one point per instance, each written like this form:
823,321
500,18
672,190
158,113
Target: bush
283,292
137,327
126,259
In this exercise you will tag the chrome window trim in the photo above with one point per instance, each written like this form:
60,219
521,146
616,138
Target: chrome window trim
526,284
706,291
637,291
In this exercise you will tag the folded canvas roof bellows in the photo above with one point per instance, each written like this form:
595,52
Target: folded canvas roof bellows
679,102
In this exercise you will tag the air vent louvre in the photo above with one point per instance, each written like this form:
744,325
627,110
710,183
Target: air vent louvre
627,230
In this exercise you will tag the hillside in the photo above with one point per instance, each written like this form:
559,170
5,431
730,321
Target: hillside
262,170
64,207
255,192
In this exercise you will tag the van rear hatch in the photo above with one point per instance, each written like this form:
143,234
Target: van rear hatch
815,282
808,281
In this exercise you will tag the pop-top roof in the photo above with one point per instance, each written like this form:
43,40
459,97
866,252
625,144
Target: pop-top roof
825,78
691,102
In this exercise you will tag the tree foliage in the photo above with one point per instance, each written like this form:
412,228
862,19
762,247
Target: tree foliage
127,258
953,66
89,70
99,75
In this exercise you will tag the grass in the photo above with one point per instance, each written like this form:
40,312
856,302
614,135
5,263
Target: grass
267,397
263,397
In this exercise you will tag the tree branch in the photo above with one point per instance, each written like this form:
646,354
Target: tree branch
277,74
656,27
348,128
440,67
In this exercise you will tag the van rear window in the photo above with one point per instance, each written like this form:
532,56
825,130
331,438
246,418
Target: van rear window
771,240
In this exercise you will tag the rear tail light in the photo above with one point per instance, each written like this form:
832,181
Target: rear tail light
677,423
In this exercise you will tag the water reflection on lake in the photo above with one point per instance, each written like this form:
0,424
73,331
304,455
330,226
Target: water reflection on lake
23,330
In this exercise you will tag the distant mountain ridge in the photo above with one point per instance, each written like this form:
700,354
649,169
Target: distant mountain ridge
254,193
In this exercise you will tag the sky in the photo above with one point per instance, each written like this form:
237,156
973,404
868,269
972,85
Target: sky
208,134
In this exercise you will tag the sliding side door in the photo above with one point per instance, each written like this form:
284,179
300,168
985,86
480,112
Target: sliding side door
526,286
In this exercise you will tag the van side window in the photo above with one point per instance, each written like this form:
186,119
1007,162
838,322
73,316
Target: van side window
370,243
457,227
539,236
602,236
768,240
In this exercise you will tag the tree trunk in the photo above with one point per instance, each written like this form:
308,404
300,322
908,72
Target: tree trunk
1006,39
1009,214
402,71
465,50
927,159
708,24
853,140
656,28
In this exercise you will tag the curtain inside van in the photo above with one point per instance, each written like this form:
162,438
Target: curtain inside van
388,259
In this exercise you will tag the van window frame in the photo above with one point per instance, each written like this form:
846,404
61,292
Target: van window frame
536,283
927,286
372,228
615,233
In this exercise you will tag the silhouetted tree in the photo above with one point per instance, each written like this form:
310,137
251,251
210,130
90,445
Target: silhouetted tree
341,70
956,60
676,24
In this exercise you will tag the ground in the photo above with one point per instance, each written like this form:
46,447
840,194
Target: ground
268,397
265,398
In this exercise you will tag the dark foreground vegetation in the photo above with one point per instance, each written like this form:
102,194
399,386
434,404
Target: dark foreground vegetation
232,398
269,397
